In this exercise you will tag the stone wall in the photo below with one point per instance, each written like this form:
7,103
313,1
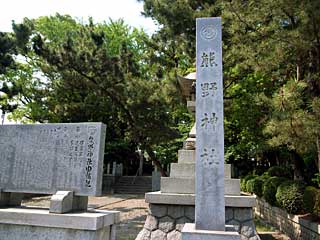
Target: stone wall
296,227
165,222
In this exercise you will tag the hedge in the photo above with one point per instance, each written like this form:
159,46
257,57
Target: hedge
290,196
311,200
278,171
243,182
270,189
255,186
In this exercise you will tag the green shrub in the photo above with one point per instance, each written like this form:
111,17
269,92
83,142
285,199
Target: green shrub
316,179
278,171
290,196
255,186
270,189
311,200
243,182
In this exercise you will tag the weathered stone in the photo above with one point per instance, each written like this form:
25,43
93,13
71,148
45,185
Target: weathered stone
166,224
187,185
186,156
235,224
189,212
210,202
46,158
254,238
158,210
151,223
158,235
175,211
180,223
174,235
189,232
61,202
248,229
243,214
229,214
144,234
189,144
20,232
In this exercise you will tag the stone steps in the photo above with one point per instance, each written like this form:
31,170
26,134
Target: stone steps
133,185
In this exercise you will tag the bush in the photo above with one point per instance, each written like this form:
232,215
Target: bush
243,182
270,189
290,196
311,200
255,186
278,171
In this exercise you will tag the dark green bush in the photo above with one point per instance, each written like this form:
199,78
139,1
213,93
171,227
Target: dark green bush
278,171
311,200
255,186
290,196
243,182
270,189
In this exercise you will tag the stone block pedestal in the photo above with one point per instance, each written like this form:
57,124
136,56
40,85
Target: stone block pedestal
189,232
28,224
169,212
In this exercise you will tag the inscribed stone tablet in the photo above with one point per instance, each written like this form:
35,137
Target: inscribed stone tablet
45,158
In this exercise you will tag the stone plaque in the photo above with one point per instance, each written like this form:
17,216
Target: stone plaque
45,158
210,203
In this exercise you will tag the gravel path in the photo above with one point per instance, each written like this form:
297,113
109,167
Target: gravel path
133,213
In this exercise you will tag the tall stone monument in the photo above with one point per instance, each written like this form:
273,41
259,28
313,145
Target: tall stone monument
209,187
174,205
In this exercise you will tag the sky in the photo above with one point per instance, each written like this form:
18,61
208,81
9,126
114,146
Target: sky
100,10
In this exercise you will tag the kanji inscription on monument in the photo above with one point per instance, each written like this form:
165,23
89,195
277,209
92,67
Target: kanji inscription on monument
45,158
210,203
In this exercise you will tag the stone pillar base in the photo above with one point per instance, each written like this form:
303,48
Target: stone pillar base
189,232
27,224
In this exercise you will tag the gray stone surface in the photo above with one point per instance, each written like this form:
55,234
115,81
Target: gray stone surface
151,223
156,178
20,232
158,235
93,220
187,185
61,202
166,224
186,156
158,211
210,202
189,232
189,144
46,158
184,170
189,199
181,221
169,224
174,235
189,212
175,211
144,234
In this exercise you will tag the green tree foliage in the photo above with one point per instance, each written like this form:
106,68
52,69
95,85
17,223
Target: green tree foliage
7,51
269,46
96,72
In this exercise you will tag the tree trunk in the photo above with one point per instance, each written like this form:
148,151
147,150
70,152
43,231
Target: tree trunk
298,166
318,153
156,161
